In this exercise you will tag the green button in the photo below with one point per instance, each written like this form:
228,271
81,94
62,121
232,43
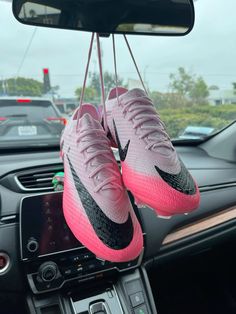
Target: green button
141,309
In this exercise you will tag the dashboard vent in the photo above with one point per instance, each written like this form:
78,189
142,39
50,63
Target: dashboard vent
37,180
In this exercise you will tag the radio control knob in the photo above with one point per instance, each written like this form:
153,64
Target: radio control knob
48,271
32,245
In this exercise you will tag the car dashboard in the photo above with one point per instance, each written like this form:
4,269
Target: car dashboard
40,256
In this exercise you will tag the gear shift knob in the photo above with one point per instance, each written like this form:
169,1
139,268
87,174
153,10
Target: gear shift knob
100,307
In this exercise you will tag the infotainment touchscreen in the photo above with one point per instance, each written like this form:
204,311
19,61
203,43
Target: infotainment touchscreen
43,227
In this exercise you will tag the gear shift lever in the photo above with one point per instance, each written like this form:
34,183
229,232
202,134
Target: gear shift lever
100,307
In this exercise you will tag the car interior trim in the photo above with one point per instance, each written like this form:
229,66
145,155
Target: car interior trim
217,187
59,167
201,225
118,299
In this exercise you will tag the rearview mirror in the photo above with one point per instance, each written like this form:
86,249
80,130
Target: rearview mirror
145,17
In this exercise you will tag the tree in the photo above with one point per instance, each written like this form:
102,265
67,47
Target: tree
214,87
93,91
234,87
89,96
109,81
21,86
95,82
199,91
182,82
168,100
192,89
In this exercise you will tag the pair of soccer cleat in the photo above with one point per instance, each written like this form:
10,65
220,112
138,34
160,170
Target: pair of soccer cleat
95,201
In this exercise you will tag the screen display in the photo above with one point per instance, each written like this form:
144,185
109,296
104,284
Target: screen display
43,227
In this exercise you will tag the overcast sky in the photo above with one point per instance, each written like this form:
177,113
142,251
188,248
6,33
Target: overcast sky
209,50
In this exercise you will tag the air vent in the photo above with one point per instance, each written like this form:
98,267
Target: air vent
38,180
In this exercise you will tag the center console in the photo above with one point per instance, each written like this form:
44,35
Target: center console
56,264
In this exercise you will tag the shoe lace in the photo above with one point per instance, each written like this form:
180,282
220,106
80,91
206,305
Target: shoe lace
141,112
101,140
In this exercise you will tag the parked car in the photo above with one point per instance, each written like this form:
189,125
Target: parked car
196,132
28,119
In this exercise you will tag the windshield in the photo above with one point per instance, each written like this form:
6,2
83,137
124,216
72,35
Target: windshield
191,80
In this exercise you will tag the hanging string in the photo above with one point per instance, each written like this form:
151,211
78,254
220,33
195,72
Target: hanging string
115,66
86,71
102,83
135,64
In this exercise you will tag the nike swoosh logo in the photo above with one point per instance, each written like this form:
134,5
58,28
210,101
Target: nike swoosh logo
122,151
114,235
182,182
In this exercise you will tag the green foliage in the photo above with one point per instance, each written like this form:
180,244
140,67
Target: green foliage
199,91
214,87
189,86
94,88
21,86
110,81
186,105
95,82
234,87
177,119
90,94
169,100
181,82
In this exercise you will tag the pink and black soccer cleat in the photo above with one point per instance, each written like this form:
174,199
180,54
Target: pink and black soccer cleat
96,205
151,168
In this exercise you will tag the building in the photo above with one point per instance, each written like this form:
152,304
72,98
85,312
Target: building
222,97
66,105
